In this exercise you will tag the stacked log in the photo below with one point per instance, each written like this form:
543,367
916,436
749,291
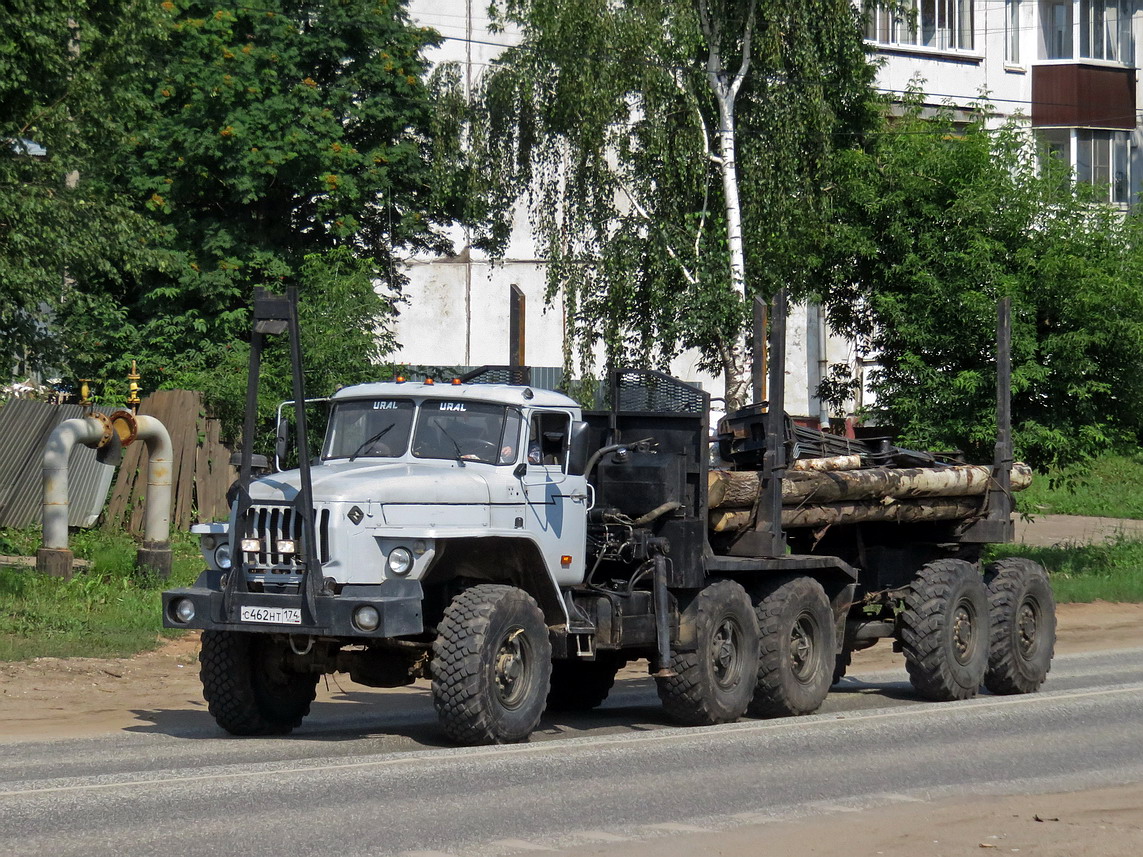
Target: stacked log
818,498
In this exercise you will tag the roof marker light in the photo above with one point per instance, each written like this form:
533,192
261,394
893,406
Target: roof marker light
456,382
430,381
400,379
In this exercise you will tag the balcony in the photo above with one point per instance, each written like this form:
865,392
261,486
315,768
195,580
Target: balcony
1081,95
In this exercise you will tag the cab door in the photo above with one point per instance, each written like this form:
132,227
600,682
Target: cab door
556,502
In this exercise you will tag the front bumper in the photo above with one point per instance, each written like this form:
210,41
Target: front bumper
398,603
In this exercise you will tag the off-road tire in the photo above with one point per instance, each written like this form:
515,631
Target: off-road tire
492,662
1022,613
841,665
247,687
944,630
714,683
583,685
798,648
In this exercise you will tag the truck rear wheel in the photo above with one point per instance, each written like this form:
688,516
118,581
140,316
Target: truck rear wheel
492,662
247,686
797,660
583,685
1023,620
944,630
713,684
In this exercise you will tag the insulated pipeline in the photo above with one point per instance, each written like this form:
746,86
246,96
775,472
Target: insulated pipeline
86,430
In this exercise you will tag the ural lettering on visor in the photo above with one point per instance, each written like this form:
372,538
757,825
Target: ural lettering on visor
370,428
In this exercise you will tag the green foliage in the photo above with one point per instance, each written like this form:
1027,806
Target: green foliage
1108,486
70,83
935,222
1112,571
604,121
107,611
294,142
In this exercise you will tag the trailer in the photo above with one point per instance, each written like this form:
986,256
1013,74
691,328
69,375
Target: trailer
496,539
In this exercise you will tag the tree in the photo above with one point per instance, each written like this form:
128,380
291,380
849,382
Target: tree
290,142
69,83
671,156
934,223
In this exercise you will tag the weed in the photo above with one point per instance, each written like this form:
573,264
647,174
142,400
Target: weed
1110,486
1112,571
109,611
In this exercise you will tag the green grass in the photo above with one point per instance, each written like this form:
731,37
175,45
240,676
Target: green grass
107,611
1112,571
1110,486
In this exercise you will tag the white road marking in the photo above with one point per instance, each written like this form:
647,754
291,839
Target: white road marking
598,836
675,827
675,735
501,845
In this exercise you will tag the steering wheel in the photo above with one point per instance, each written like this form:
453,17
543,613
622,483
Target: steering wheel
484,450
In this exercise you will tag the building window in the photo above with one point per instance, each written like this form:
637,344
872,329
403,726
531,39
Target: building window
1012,31
516,304
1101,161
940,24
1105,30
1056,19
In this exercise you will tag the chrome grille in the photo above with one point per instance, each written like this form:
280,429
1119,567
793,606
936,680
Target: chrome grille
273,524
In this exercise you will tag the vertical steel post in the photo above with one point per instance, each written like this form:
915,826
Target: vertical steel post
774,458
758,363
304,506
1000,504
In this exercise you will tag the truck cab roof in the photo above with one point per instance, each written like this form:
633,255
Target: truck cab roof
502,393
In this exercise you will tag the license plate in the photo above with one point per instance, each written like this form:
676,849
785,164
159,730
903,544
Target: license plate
272,615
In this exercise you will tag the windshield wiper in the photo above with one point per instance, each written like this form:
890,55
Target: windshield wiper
368,443
451,439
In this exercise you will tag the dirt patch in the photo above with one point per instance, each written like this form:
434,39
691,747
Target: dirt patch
1048,531
1107,822
51,698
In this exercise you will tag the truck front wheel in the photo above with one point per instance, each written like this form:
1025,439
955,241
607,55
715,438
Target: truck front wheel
1023,619
492,663
713,684
247,686
797,660
944,630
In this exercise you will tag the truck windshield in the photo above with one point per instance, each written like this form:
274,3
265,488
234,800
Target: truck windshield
467,431
373,428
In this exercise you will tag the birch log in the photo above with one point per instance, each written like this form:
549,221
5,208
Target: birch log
897,511
740,488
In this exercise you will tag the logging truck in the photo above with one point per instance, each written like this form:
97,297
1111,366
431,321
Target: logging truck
516,551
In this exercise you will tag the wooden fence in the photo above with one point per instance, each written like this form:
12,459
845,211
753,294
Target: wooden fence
200,466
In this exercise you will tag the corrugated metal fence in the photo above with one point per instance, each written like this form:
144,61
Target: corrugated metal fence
25,425
200,471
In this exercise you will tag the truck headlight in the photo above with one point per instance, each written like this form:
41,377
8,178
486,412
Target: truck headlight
400,560
366,618
222,556
182,610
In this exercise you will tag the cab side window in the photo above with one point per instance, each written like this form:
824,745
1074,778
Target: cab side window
548,439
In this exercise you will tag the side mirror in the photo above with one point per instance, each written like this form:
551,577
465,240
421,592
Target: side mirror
578,448
281,443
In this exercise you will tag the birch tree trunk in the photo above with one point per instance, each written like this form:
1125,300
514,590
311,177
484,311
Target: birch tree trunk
735,354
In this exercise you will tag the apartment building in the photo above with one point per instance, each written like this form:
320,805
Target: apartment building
1067,67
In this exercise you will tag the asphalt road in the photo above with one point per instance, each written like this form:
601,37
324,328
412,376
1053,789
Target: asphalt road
344,788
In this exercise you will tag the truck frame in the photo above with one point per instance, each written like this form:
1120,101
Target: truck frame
494,538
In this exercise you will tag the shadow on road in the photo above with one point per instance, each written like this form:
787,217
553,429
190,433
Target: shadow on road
405,718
